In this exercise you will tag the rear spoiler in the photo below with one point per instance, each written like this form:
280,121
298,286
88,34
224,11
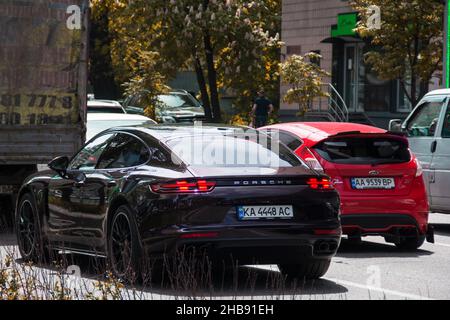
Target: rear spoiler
348,133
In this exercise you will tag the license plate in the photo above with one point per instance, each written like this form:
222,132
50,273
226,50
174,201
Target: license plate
265,212
373,183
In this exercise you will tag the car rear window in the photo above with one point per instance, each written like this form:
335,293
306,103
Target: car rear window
255,150
364,150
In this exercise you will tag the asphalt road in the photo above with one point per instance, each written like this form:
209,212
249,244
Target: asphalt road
371,270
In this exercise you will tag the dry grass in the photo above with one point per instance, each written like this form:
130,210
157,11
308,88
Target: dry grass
188,276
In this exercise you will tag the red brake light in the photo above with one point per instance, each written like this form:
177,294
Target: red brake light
184,187
419,168
310,159
328,232
199,235
320,184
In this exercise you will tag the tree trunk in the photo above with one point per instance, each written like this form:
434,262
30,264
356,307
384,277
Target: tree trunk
404,89
413,90
212,78
203,89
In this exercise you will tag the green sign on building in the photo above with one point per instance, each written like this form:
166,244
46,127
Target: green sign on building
346,25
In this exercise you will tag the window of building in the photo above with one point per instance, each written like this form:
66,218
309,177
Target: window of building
290,50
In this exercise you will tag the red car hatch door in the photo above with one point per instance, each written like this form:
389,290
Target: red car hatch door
368,164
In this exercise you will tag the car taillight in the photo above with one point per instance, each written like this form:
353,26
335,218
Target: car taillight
199,235
184,187
310,159
419,170
320,184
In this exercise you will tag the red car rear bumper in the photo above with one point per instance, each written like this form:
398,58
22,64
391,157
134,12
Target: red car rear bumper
382,215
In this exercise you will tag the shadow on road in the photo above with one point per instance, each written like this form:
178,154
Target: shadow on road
442,229
250,282
367,249
7,239
245,282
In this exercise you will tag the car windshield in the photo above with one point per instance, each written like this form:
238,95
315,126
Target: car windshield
238,150
178,101
364,150
94,127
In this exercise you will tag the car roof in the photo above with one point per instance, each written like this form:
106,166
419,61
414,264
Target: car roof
115,117
438,92
166,132
103,103
319,131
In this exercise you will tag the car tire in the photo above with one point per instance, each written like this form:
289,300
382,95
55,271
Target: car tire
124,249
313,269
410,244
354,240
32,246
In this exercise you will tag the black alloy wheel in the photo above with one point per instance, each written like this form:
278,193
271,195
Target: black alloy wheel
28,230
124,250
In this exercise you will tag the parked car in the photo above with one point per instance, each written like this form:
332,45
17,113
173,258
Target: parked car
178,106
428,132
98,122
132,193
378,178
104,106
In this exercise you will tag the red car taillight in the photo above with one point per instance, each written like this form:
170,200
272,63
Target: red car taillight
320,184
419,169
183,186
310,159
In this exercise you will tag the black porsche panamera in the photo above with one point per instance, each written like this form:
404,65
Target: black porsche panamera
135,193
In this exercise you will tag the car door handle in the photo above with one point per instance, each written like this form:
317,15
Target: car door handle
111,184
78,184
433,146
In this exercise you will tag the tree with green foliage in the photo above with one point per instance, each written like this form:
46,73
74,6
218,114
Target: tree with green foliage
304,80
136,68
228,43
408,44
147,81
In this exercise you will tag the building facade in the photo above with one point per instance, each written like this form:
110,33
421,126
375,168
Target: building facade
326,27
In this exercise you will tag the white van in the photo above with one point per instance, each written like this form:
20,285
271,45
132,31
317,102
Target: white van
428,131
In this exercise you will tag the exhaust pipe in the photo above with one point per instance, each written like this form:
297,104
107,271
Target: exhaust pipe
324,247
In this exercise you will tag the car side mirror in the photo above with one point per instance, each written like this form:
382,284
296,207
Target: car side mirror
395,125
59,165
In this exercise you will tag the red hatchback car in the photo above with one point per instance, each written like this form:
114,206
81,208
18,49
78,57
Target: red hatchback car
379,180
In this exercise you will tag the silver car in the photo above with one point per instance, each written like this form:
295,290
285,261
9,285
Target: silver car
178,106
428,130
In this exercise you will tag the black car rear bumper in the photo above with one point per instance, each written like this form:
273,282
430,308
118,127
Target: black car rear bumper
265,245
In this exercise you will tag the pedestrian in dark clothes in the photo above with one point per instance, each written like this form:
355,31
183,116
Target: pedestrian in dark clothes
262,109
